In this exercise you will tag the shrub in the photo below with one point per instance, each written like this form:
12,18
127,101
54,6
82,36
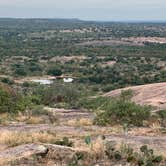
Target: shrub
117,156
118,111
38,110
10,101
110,149
7,81
126,94
162,116
145,157
54,71
60,93
65,142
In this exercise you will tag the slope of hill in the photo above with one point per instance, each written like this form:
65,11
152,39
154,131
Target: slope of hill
150,94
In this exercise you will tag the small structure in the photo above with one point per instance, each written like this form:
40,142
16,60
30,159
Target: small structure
68,80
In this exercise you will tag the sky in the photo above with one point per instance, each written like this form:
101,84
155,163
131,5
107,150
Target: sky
102,10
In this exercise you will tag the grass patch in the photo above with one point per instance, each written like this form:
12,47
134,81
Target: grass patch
14,138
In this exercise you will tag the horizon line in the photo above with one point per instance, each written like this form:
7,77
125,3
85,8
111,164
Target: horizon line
89,20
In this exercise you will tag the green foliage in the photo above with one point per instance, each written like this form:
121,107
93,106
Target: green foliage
25,44
38,110
28,48
76,159
94,103
7,80
10,102
28,68
59,93
20,71
110,149
55,71
145,157
117,156
64,142
120,111
88,140
127,94
162,116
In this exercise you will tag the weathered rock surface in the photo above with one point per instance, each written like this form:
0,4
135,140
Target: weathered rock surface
38,155
20,152
55,155
150,94
69,114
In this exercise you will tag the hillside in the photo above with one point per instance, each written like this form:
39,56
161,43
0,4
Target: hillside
150,94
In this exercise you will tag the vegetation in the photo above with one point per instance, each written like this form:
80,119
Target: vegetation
162,116
60,93
118,111
15,138
36,47
145,157
64,142
10,101
99,57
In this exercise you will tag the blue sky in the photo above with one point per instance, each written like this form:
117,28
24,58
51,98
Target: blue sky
111,10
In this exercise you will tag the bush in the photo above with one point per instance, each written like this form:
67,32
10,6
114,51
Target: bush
162,116
94,103
10,101
121,111
126,94
65,142
59,93
7,81
145,157
38,110
13,102
55,71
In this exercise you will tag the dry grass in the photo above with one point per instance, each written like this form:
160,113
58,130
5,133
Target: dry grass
15,138
98,147
156,127
35,120
117,129
85,122
80,122
6,119
94,152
